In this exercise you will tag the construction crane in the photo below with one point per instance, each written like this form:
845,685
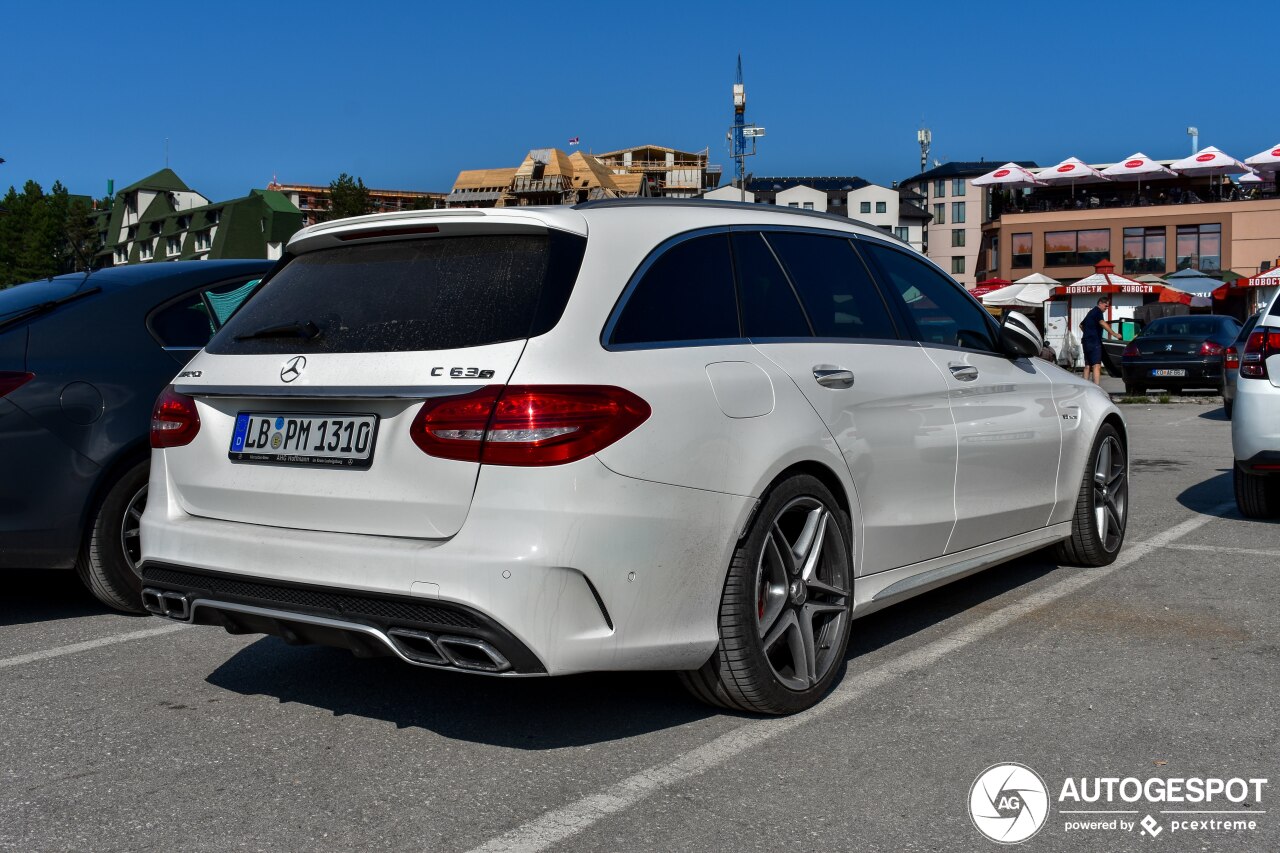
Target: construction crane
740,132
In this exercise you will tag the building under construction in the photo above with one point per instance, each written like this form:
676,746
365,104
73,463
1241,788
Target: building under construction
551,176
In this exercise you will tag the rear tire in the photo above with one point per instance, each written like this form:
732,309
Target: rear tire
785,613
1228,406
1102,505
1257,495
107,562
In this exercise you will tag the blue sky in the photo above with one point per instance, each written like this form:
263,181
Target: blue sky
407,94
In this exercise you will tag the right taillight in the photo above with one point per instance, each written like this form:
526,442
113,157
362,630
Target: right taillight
1231,358
1131,351
1262,343
174,419
527,424
12,380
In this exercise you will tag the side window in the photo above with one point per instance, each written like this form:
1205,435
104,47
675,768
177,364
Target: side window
838,294
185,324
190,322
685,295
942,312
769,306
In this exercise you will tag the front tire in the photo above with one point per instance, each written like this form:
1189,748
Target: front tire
109,557
785,613
1257,495
1102,505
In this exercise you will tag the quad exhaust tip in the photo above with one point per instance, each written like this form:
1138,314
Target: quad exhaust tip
462,652
173,605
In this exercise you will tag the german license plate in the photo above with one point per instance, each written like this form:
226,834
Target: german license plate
1178,372
337,441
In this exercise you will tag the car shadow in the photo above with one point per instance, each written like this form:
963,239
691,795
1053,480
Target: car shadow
1218,414
548,713
45,595
1208,495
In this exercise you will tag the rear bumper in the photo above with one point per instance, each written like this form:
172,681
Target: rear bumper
1206,373
1255,423
583,568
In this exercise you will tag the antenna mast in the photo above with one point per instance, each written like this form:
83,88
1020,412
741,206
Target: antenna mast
740,132
925,137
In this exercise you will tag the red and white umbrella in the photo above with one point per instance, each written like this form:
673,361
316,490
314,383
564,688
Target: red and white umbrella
1209,161
1009,175
1266,161
1138,167
1071,170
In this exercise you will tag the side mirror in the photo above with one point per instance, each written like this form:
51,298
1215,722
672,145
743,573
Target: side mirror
1019,336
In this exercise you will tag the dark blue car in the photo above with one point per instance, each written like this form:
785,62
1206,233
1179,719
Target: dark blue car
82,359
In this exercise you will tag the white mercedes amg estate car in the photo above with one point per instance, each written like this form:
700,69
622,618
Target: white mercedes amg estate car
1255,428
688,435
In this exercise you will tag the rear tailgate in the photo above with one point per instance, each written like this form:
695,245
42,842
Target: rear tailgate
357,337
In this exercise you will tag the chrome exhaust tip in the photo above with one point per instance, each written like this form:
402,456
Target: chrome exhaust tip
474,654
173,605
418,646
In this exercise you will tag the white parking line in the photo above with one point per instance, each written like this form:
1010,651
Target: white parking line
556,826
89,644
1223,549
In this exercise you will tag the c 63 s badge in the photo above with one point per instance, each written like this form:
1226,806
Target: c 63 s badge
463,372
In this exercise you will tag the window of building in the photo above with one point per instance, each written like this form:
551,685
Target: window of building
1144,250
864,207
882,207
204,240
1076,248
957,212
838,294
687,294
939,214
957,265
793,204
957,186
1021,244
808,205
939,188
174,247
903,233
1200,247
957,237
835,201
214,216
943,314
145,250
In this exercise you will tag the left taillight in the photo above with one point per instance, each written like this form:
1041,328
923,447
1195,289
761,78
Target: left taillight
174,419
527,425
12,380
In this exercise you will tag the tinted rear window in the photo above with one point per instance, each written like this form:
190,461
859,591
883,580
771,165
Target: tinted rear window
685,295
1195,327
429,294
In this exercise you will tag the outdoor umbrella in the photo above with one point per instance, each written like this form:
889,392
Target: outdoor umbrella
1266,161
1197,285
1031,295
1038,278
1009,175
1071,171
1209,161
1138,166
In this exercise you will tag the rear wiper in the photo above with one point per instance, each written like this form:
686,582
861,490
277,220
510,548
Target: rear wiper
304,329
45,307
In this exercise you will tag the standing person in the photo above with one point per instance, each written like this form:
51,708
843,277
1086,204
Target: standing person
1091,328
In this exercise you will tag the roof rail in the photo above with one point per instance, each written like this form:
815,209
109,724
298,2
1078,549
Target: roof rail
598,204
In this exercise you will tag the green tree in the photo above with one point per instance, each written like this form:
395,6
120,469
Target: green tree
43,234
348,196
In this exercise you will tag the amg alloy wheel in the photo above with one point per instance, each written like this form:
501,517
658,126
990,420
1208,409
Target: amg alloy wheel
784,617
109,557
1102,505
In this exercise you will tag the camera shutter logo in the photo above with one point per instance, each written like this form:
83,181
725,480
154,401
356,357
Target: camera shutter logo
1008,803
293,368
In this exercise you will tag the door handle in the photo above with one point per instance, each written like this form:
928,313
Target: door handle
964,372
830,376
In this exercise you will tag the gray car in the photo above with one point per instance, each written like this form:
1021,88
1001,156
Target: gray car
1231,364
82,359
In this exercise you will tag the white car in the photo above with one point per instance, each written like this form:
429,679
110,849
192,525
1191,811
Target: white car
691,436
1255,424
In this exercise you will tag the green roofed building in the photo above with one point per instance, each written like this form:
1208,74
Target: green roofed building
160,218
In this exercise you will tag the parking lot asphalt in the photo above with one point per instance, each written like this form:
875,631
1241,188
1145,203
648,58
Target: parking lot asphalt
123,733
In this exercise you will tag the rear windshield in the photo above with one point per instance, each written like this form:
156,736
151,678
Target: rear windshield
409,295
1193,327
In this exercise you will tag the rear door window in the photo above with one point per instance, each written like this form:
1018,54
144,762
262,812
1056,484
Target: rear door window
410,295
943,313
770,308
191,321
839,296
686,294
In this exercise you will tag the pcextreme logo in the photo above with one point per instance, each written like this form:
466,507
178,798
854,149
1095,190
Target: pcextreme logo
1009,803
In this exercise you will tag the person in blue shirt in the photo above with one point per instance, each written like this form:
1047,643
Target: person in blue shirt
1091,328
